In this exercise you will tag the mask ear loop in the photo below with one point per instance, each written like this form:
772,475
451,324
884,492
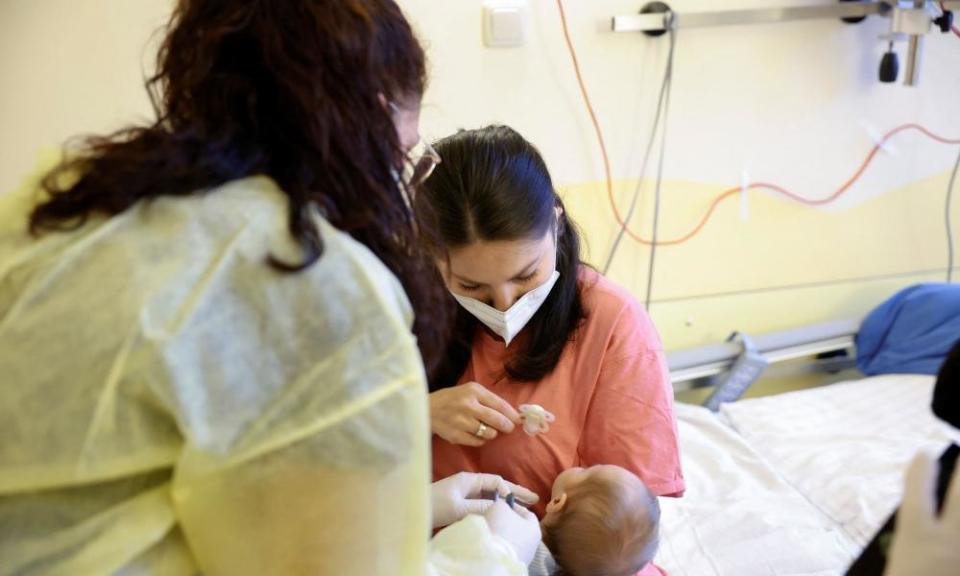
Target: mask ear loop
558,224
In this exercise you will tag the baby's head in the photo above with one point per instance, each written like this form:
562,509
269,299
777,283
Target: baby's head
601,520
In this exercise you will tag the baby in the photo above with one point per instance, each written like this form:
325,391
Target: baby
600,520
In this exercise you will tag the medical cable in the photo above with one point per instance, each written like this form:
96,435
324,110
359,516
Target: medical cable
732,191
643,171
796,197
593,115
663,152
657,116
949,220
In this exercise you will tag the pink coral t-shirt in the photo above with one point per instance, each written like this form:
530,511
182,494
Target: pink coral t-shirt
610,393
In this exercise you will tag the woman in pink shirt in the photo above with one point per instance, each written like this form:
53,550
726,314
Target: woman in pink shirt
536,326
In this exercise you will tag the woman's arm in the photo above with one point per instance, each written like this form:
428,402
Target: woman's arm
630,421
344,493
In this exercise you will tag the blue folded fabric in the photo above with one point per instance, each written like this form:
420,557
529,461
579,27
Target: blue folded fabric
912,332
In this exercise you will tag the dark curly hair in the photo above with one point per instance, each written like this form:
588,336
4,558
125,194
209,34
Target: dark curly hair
293,89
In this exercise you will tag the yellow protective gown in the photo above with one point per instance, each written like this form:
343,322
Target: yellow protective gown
169,404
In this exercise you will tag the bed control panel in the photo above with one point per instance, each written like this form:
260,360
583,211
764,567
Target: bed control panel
747,368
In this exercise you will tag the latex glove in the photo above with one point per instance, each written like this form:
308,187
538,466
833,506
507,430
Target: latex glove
518,526
456,414
923,542
454,497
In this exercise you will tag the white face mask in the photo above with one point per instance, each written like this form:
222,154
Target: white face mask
508,324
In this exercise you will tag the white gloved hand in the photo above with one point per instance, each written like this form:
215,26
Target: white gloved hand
518,526
924,543
454,497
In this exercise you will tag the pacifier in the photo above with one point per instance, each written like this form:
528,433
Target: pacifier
536,420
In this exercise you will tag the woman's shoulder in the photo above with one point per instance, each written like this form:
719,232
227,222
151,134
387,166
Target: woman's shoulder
611,309
603,296
357,261
217,244
347,271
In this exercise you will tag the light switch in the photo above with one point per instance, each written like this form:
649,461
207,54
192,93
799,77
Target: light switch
505,23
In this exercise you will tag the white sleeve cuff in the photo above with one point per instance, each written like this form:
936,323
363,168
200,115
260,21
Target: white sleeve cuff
468,548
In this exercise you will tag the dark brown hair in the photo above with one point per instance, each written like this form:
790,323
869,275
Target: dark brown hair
494,185
293,89
607,527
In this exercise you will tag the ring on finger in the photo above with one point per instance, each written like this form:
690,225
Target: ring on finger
481,431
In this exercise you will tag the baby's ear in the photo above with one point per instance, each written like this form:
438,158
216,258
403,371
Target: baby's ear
556,505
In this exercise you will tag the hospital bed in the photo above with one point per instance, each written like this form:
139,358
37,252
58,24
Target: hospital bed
796,483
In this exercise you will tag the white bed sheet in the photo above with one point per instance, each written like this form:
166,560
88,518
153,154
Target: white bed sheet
738,516
844,447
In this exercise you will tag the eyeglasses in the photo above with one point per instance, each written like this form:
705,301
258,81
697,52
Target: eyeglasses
422,159
426,160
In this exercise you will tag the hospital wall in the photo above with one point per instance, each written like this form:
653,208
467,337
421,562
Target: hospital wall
71,67
796,104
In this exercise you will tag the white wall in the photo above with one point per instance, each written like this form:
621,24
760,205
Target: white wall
786,102
768,97
772,97
789,103
70,67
